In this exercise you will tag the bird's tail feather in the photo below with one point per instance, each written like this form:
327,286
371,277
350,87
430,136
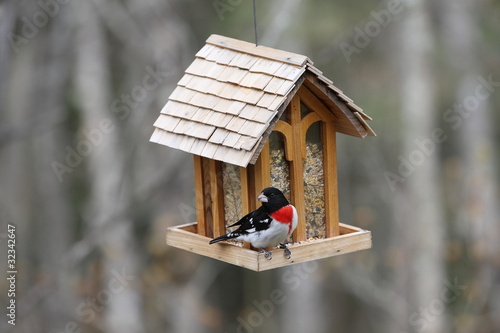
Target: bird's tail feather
224,237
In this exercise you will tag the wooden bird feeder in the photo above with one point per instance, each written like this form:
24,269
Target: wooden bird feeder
254,117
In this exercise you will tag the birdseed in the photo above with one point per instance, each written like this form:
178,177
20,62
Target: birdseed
314,191
231,185
280,167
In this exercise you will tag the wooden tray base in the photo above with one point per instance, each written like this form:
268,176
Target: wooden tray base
351,239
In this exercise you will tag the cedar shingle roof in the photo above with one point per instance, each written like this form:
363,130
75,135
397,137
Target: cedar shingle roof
234,92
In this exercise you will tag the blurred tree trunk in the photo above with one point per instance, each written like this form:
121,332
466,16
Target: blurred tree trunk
478,214
17,176
7,23
304,309
110,193
32,198
54,219
419,236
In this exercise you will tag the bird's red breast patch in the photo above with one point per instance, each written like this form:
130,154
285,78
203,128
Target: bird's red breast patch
283,215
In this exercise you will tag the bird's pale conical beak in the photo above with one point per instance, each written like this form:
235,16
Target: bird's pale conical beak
262,198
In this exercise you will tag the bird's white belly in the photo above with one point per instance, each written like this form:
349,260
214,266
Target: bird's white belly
272,236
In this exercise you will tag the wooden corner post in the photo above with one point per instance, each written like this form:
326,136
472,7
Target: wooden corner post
209,197
217,198
330,179
199,193
296,170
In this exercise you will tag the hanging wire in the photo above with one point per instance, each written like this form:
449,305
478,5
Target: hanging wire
255,24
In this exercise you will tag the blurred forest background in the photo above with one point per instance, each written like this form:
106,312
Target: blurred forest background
81,83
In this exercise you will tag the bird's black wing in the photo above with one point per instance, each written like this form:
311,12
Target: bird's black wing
255,221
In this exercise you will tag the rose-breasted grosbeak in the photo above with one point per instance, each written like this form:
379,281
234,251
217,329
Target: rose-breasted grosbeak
269,225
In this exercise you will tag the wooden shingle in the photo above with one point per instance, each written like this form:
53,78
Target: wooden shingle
201,115
274,85
186,143
287,72
267,100
215,87
209,150
276,103
198,146
243,61
219,135
222,105
235,124
249,111
232,74
205,50
210,69
170,139
253,129
185,80
225,57
180,110
235,107
263,115
203,100
248,95
364,123
229,91
198,67
231,139
161,121
200,84
265,66
218,119
169,123
255,80
196,130
246,143
285,88
181,94
157,133
221,152
216,53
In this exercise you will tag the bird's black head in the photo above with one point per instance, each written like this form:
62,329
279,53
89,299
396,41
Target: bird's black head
272,199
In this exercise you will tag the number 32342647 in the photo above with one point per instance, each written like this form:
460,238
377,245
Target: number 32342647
11,244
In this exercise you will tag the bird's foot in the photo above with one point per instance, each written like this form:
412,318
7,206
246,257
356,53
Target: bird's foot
267,254
287,252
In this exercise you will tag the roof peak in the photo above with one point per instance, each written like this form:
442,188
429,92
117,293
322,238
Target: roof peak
260,50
